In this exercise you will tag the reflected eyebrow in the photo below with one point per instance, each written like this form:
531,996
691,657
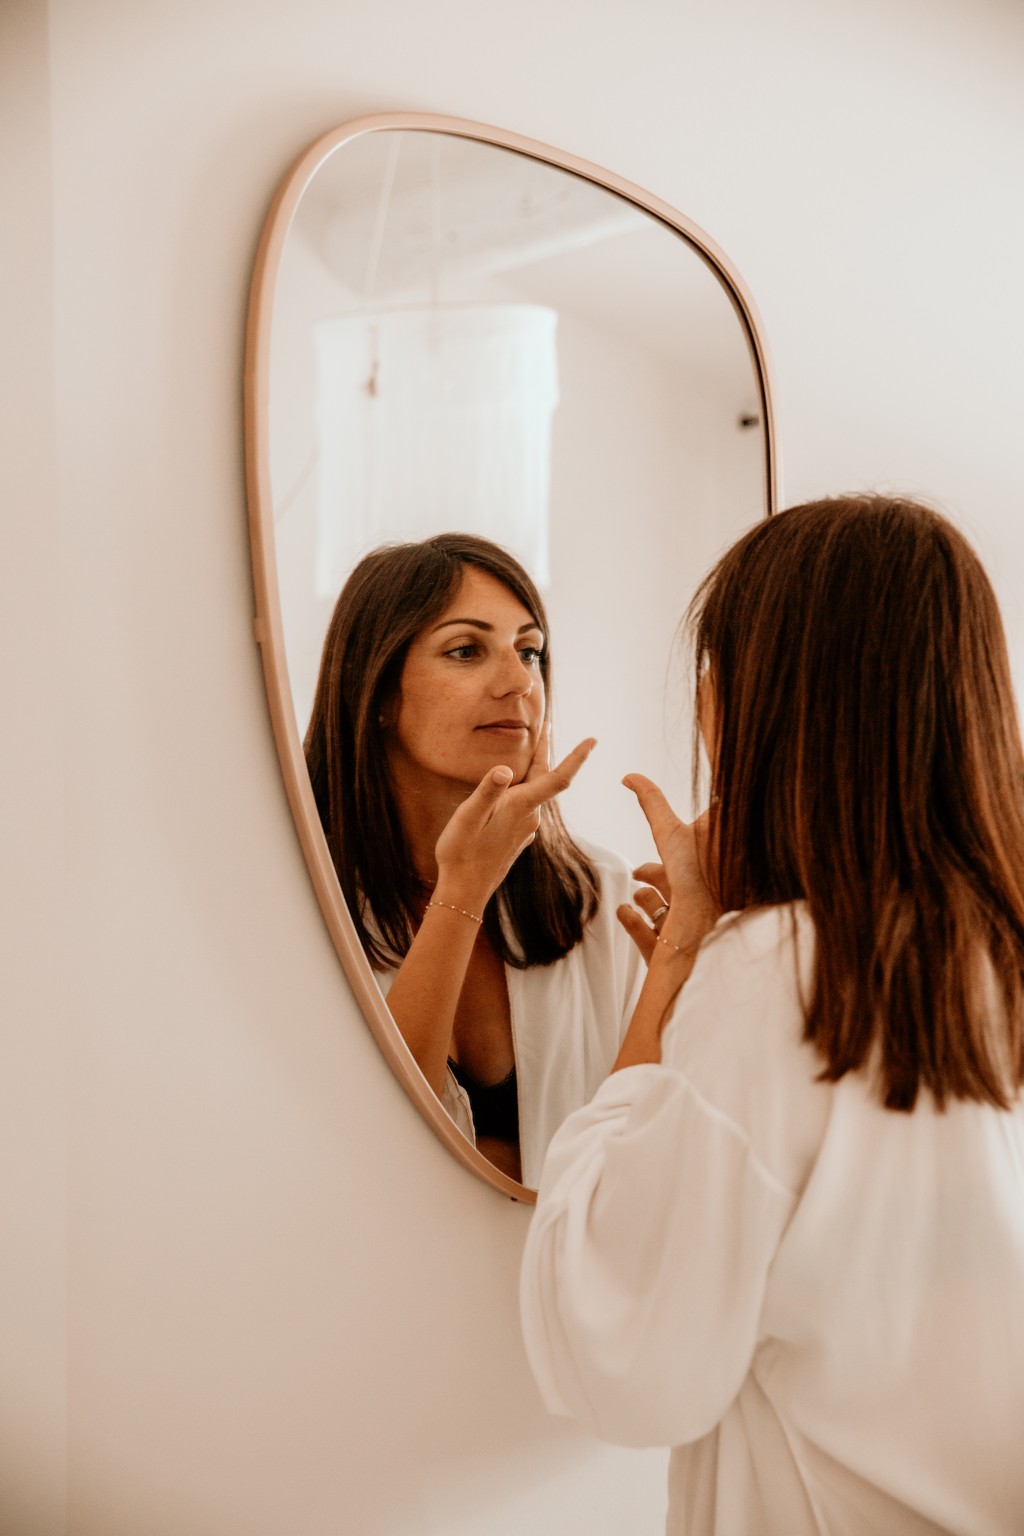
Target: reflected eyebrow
481,624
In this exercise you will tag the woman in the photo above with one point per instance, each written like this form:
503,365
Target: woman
493,932
789,1240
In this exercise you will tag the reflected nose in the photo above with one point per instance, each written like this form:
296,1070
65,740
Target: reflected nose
514,676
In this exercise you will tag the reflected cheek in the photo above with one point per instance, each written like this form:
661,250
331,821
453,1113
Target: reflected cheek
425,735
433,729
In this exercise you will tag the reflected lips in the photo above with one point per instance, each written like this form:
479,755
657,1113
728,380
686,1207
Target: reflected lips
506,727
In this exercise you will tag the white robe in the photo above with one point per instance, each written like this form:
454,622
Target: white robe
818,1302
568,1020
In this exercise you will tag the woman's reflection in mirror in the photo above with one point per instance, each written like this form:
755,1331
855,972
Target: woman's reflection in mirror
493,931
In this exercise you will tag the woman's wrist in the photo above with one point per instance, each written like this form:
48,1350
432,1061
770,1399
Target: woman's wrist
662,985
667,971
685,933
463,895
688,950
450,906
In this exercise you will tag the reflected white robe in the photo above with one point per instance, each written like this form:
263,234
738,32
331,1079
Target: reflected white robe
818,1302
568,1020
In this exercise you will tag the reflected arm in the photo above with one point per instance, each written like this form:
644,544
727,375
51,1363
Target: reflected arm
478,846
424,995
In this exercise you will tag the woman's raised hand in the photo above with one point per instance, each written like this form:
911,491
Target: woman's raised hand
676,896
497,821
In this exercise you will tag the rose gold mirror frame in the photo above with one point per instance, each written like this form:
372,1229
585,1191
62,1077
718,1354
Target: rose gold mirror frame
267,624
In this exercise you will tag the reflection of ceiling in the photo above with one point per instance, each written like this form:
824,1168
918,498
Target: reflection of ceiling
396,213
666,301
413,217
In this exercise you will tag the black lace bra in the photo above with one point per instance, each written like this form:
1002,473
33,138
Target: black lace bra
495,1106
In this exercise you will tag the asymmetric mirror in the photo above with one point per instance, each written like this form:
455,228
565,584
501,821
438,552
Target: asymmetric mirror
455,330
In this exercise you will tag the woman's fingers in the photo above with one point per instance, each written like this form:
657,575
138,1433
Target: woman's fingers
540,762
644,934
683,873
523,802
639,931
661,818
533,792
652,902
479,806
654,874
496,822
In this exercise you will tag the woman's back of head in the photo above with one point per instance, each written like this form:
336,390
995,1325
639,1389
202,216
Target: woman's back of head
868,760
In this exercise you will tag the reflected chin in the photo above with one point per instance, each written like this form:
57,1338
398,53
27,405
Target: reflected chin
505,746
497,749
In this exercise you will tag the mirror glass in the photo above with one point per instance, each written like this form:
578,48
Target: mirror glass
465,337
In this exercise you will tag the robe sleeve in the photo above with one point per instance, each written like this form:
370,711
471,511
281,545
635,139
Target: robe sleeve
646,1261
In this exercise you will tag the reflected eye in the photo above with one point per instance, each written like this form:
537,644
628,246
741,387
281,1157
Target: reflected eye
471,650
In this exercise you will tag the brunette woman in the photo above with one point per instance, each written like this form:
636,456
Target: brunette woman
493,933
787,1238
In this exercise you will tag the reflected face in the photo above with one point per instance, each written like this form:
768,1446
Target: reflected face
471,695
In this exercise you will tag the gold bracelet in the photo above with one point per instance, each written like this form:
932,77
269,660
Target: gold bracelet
677,947
448,904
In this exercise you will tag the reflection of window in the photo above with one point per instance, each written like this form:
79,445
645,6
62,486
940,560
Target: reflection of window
430,419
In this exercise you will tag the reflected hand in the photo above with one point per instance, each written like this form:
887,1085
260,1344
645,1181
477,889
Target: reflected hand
676,896
499,819
540,762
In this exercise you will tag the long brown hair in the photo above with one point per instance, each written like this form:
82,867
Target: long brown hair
551,891
868,761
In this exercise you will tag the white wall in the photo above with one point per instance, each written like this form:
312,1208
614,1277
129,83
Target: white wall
289,1310
651,478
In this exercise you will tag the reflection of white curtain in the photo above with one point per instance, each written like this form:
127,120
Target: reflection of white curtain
434,419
